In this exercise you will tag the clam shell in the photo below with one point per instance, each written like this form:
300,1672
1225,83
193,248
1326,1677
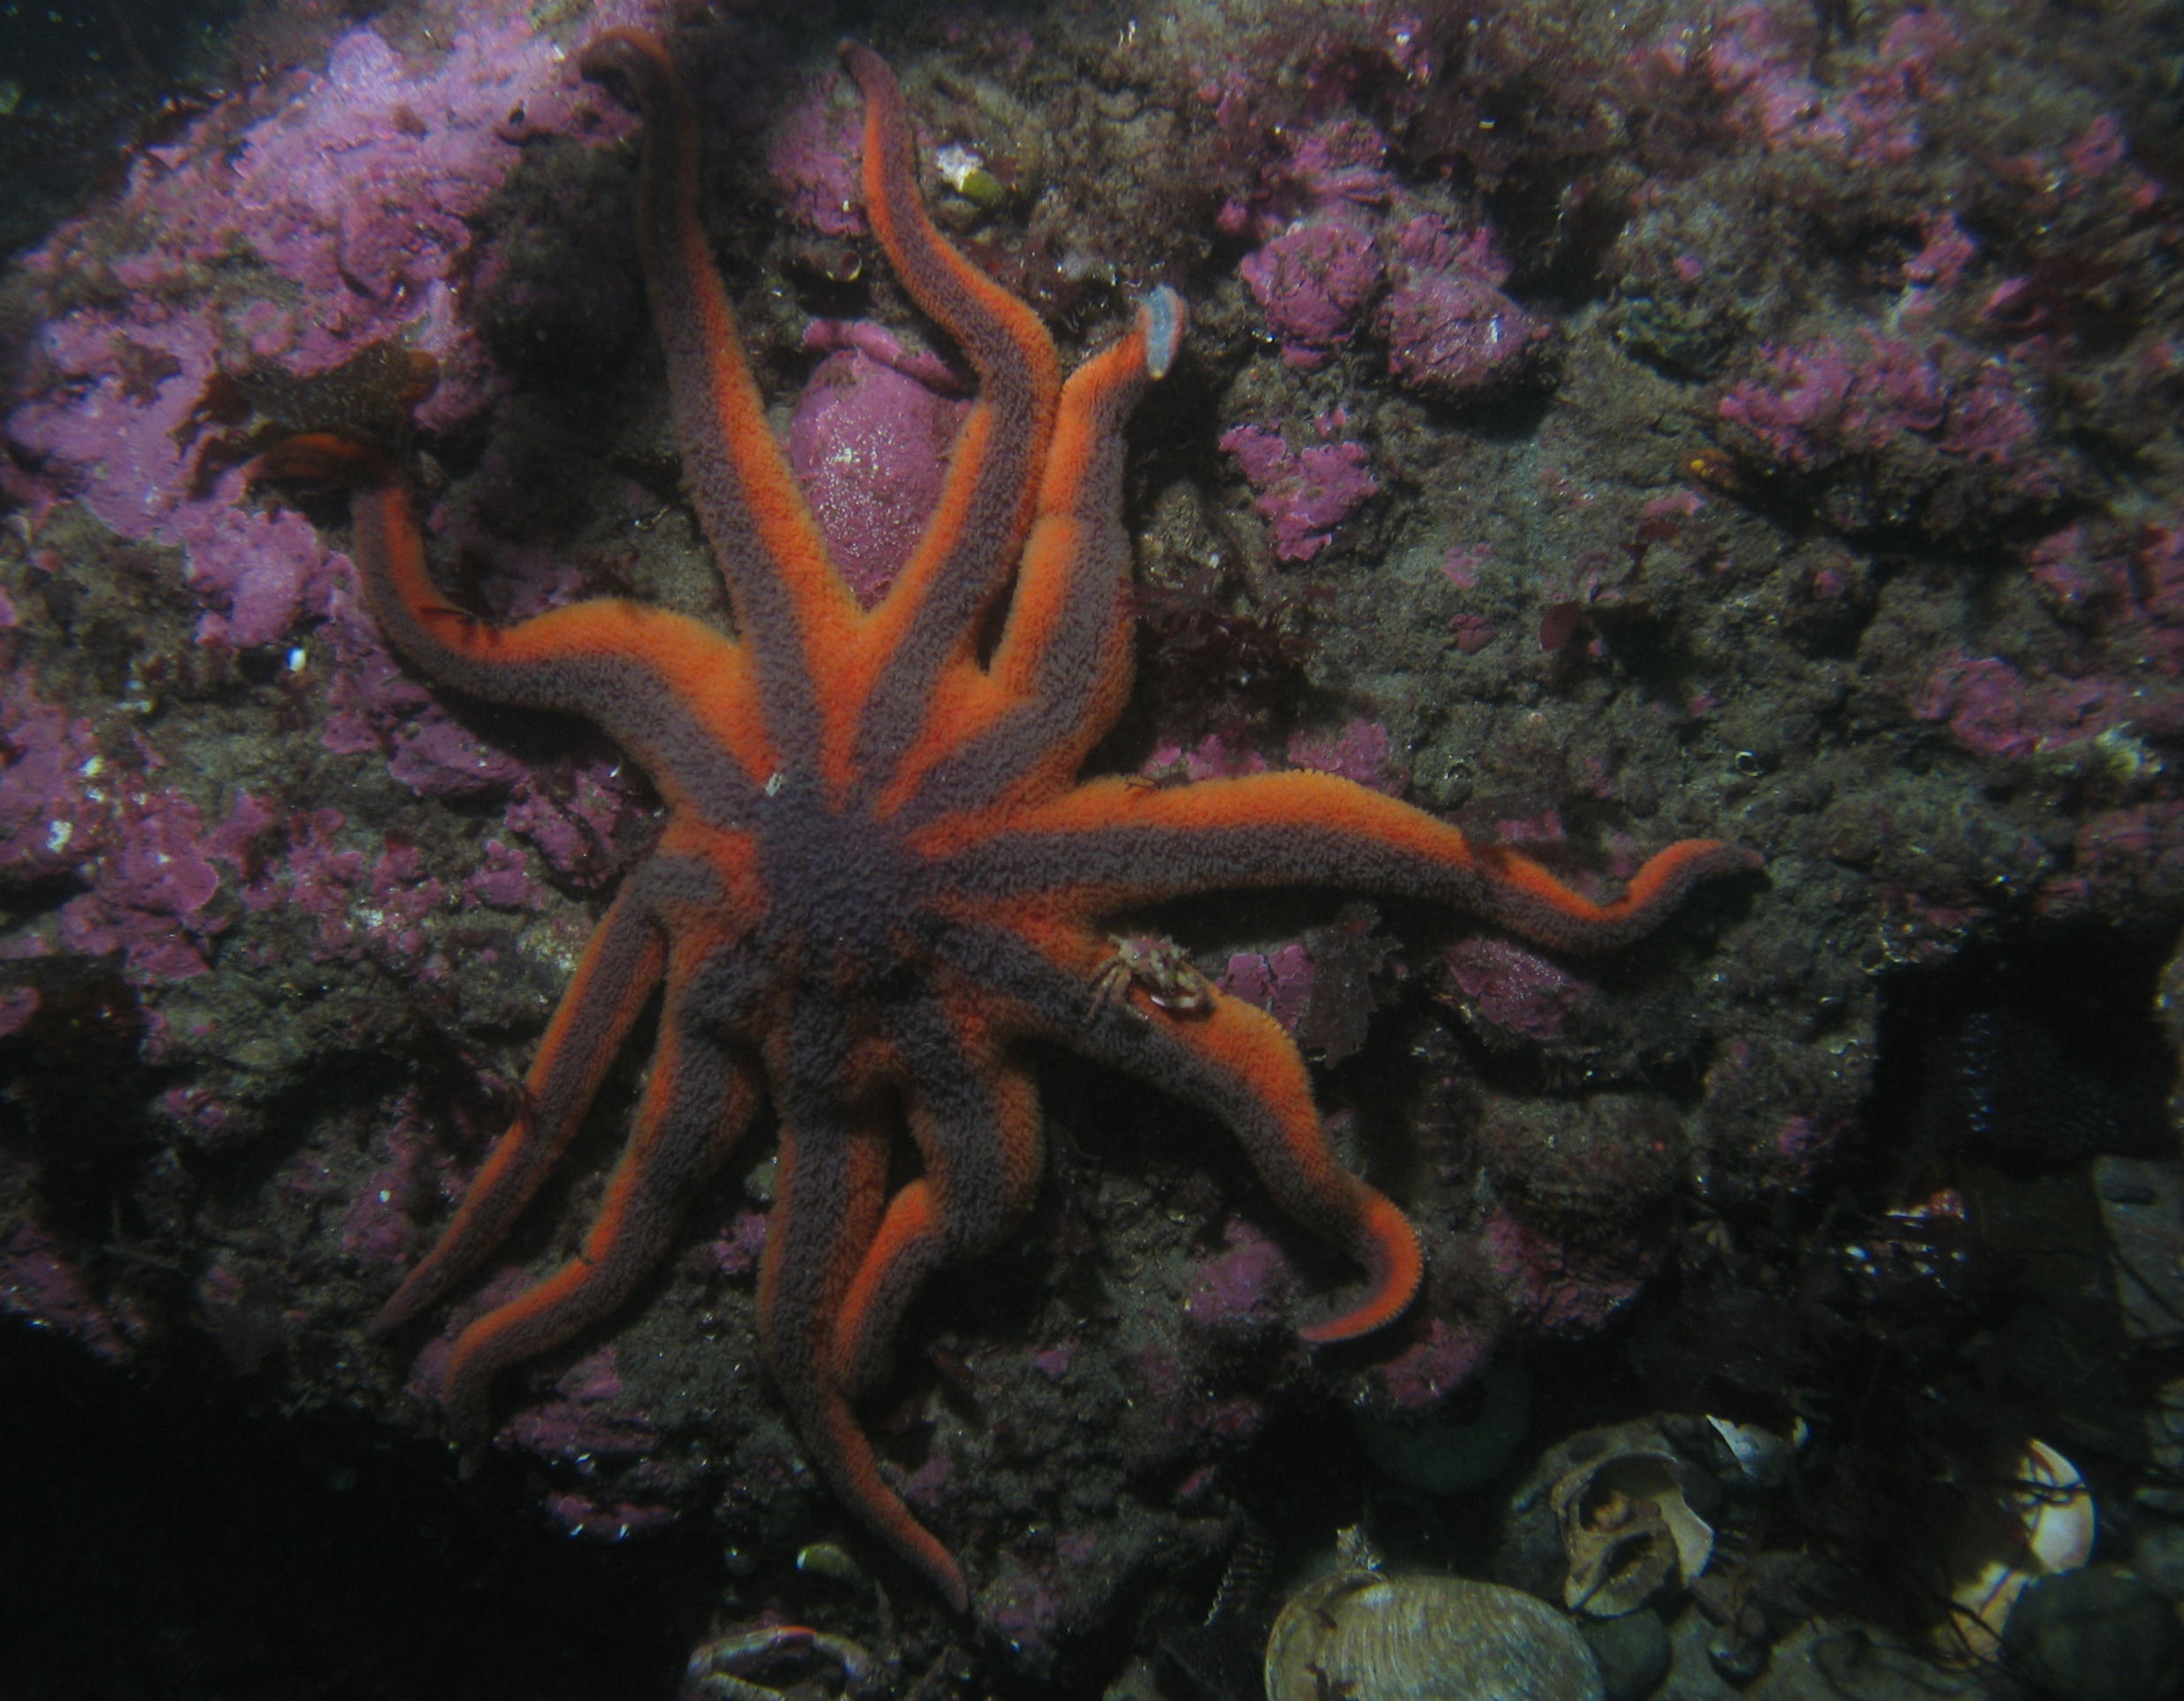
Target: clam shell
1366,1637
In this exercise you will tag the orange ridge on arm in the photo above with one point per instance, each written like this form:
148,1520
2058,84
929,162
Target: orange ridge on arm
785,589
1115,843
929,618
1078,558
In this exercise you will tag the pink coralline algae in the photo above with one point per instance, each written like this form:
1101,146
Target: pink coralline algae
150,891
868,443
39,1283
502,879
1303,494
613,1521
52,816
1558,1289
18,1008
1279,982
1461,564
352,191
289,227
373,705
1433,1366
367,907
584,1425
1990,424
1334,167
1215,756
574,823
585,1418
267,570
1514,996
1760,55
1247,1286
736,1252
378,1229
1821,401
1027,1607
813,159
436,755
2159,578
2119,857
1359,750
1808,1145
1313,282
2125,589
1452,333
1993,710
1473,632
2076,583
1948,253
1333,231
240,1308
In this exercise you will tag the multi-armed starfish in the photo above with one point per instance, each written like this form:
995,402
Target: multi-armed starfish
880,877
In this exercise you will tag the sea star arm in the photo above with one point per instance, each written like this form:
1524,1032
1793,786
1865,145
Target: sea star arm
929,616
1116,844
795,611
674,694
974,1114
621,966
1061,669
1234,1060
1229,1059
830,1184
697,1103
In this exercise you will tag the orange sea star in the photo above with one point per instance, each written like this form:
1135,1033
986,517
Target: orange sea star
880,877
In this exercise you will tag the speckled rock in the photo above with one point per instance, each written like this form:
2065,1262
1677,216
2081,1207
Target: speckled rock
2096,1634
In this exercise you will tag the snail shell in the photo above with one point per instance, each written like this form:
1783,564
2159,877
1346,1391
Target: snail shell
1627,1527
1367,1637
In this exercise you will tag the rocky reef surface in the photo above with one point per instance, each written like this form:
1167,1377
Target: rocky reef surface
1601,426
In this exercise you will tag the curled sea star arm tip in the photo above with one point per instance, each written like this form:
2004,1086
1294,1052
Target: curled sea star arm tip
1114,845
1227,1058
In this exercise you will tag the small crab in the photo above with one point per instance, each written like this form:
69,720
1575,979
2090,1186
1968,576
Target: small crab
1157,963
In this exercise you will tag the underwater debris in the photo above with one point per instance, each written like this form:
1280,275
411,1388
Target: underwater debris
1627,1526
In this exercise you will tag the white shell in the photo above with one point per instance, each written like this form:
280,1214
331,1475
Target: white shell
1989,1567
1366,1637
1762,1455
